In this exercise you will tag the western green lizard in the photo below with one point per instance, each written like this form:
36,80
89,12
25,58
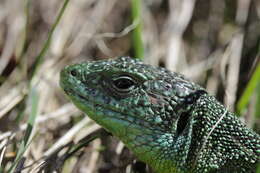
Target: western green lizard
170,123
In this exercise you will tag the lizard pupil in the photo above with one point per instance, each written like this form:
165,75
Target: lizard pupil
123,83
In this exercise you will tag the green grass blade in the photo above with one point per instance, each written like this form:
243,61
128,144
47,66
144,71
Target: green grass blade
257,106
33,95
39,58
258,168
34,98
137,41
250,88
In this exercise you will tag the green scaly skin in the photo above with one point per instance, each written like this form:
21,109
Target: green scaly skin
168,122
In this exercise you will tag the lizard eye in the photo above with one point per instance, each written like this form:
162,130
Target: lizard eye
123,83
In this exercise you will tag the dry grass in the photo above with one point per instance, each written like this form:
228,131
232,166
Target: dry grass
215,43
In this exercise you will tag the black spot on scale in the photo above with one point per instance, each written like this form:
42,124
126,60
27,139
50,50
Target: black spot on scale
193,97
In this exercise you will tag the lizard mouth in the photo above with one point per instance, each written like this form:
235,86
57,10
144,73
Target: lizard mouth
90,100
71,93
106,110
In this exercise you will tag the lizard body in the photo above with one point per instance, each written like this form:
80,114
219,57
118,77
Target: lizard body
170,123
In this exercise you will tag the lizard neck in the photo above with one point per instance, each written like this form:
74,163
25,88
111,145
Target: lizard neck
161,152
220,141
213,139
164,152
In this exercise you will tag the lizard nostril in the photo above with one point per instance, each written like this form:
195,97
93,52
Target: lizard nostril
73,72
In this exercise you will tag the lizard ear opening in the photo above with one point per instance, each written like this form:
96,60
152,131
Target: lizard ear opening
182,122
184,116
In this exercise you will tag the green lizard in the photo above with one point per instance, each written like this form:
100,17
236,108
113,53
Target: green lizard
170,123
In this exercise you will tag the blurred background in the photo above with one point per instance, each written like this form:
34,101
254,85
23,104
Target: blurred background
215,43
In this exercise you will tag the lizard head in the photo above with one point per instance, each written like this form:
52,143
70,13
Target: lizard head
146,107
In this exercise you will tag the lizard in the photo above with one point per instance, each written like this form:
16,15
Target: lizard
167,121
